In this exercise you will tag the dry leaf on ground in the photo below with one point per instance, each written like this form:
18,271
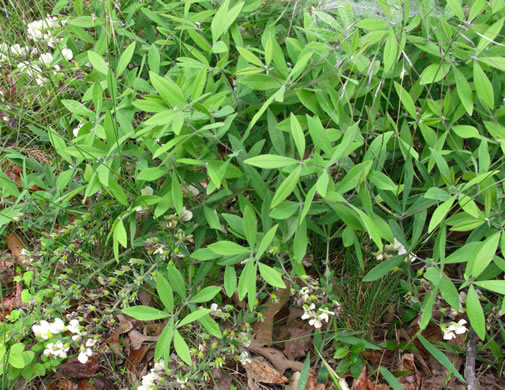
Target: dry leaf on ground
412,381
222,382
73,368
299,342
63,384
16,247
364,383
263,372
311,382
137,339
264,329
135,357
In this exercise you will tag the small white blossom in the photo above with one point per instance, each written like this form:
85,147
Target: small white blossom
18,50
244,358
42,330
91,342
57,326
185,215
84,354
453,329
193,190
67,53
316,322
324,314
73,327
147,190
46,58
56,350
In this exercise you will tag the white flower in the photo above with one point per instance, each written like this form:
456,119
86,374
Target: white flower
67,53
214,307
147,190
84,354
453,329
315,322
42,330
34,30
185,215
159,365
73,327
244,358
309,313
46,58
57,326
56,350
75,132
324,314
18,50
91,342
193,190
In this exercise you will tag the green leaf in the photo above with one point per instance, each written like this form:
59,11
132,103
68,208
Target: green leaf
464,91
300,66
489,35
259,82
193,317
442,359
286,187
245,276
266,241
165,292
390,52
145,313
176,192
230,280
354,177
177,281
205,295
162,350
250,226
455,6
169,91
120,233
297,134
151,174
434,73
390,378
304,374
250,57
406,100
301,241
98,62
483,86
271,276
228,248
497,286
125,59
212,218
449,293
475,313
204,254
182,348
211,326
440,213
382,269
271,161
485,254
372,24
224,18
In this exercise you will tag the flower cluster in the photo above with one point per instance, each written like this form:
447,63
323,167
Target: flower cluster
395,249
151,380
29,60
453,329
46,331
316,317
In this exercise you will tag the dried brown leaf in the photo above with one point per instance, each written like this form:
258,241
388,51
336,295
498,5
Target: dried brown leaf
63,384
364,383
137,339
73,368
135,357
16,247
221,380
264,329
263,372
299,343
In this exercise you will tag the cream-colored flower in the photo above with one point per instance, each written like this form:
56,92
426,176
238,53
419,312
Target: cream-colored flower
67,53
185,215
46,58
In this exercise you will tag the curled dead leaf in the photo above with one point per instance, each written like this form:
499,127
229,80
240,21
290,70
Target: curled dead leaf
299,343
264,329
16,247
137,339
364,383
135,357
261,371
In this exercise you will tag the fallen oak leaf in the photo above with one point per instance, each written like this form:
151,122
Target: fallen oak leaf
135,357
137,339
298,343
261,371
264,329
